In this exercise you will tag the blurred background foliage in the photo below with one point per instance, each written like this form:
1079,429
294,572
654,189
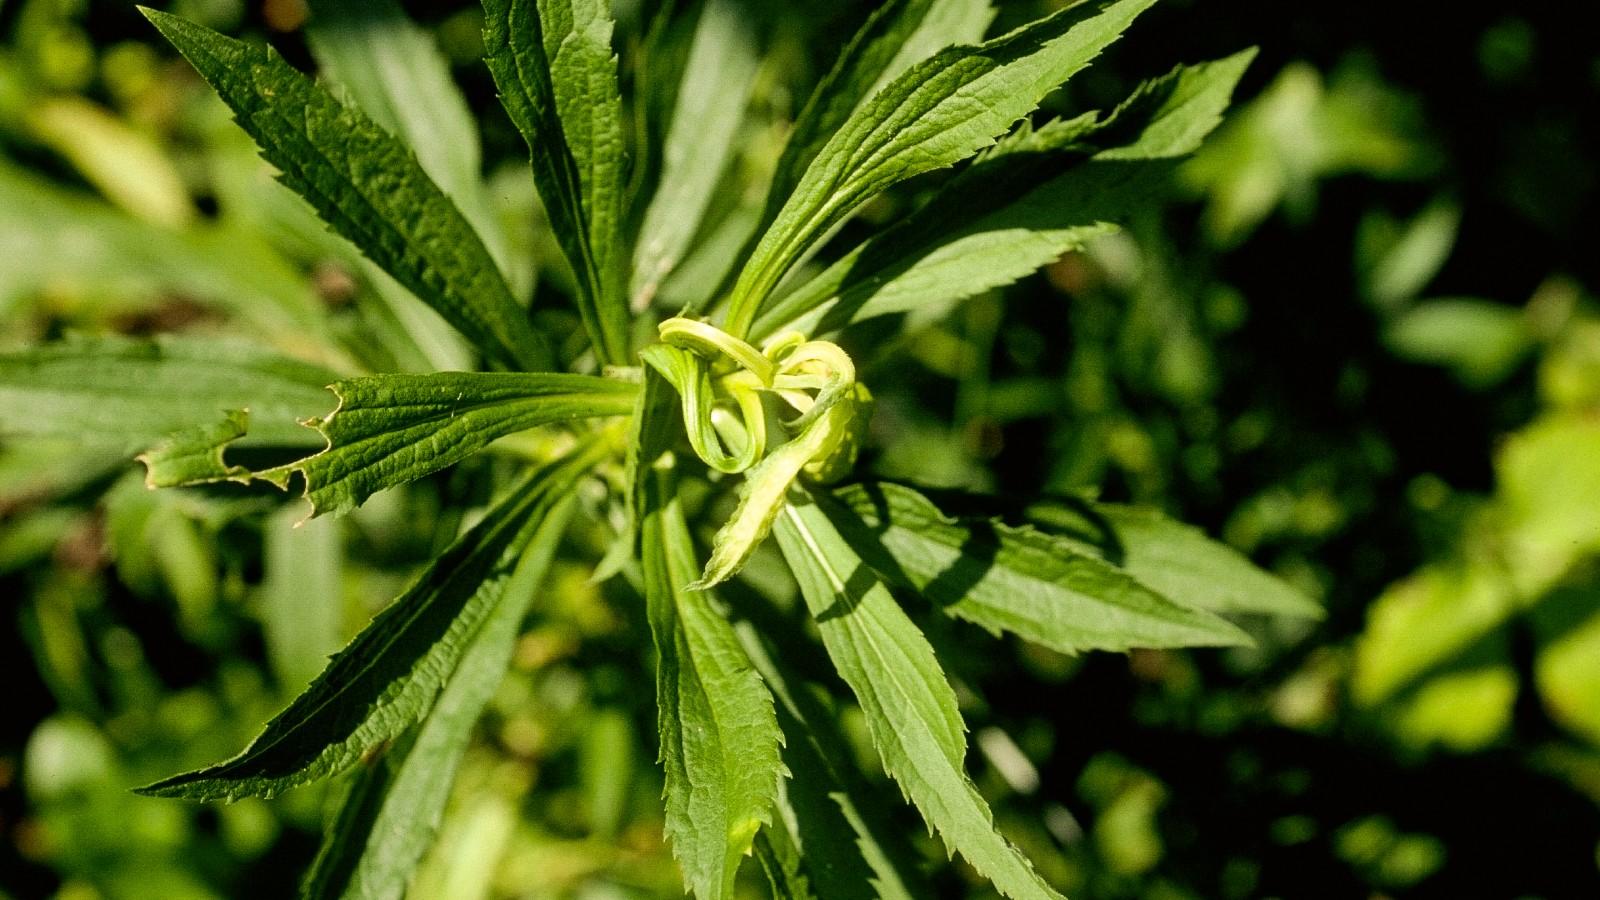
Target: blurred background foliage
1362,345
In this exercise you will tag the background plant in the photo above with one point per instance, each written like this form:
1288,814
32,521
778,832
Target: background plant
1124,795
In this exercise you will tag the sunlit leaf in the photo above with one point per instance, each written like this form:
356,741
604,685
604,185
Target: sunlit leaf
390,675
553,63
391,429
910,708
895,36
367,185
933,115
1015,579
831,823
1034,196
719,737
393,809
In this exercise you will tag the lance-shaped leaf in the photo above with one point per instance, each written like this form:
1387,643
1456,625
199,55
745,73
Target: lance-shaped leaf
896,35
910,708
719,736
367,186
763,494
393,809
394,72
389,676
553,64
934,115
1033,197
1178,560
1015,579
831,834
706,117
391,429
130,394
391,69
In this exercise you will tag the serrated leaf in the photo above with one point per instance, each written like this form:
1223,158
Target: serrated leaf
391,69
910,708
1035,196
1020,580
895,36
553,64
391,813
394,73
710,107
391,429
719,736
1178,560
195,455
1170,116
829,816
934,115
367,186
390,675
130,394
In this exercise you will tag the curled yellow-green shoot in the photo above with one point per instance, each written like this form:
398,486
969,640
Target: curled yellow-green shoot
722,382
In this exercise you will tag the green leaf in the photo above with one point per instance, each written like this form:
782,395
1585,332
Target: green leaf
719,736
1548,495
1033,197
390,675
130,394
127,164
1169,117
934,115
367,186
1422,622
709,110
1176,559
394,72
654,426
1020,580
910,708
195,455
829,816
895,36
1404,267
393,810
391,429
553,64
